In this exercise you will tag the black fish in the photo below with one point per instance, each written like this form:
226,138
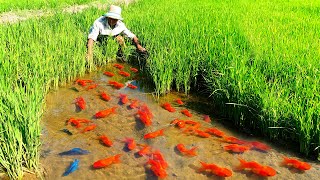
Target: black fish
67,131
74,151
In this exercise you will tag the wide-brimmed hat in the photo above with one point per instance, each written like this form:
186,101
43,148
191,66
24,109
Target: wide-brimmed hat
114,12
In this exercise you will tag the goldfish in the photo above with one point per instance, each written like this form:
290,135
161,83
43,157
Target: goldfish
83,82
154,134
106,112
134,70
157,168
106,141
92,86
300,165
256,168
74,122
80,103
202,134
168,107
144,118
183,150
74,151
125,74
110,74
131,144
179,123
186,112
146,109
73,166
123,98
145,150
105,96
107,161
206,118
259,146
89,128
214,131
216,170
234,140
134,104
179,101
236,148
131,86
116,84
118,66
157,156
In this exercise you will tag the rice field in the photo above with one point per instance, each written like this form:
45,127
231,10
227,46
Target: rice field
258,63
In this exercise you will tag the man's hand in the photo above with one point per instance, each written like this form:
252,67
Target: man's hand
140,48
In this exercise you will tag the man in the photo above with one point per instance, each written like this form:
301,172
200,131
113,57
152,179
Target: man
110,24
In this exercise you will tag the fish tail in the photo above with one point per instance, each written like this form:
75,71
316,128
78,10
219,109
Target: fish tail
161,132
193,151
285,160
242,164
203,166
117,158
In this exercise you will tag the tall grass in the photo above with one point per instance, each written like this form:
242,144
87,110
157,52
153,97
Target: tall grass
260,60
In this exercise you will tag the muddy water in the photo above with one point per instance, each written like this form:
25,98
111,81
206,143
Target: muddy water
60,107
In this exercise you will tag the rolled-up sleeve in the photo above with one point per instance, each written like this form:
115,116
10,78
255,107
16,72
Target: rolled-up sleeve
94,32
128,33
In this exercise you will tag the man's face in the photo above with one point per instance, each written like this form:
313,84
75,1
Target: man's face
112,22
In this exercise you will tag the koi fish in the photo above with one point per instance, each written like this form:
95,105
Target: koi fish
74,151
300,165
259,146
89,128
179,101
256,168
73,166
131,86
125,74
106,112
214,131
107,161
145,150
134,70
154,134
118,66
206,118
168,107
123,98
183,150
110,74
134,104
106,141
105,96
131,144
186,112
92,86
157,168
216,170
236,148
80,103
234,140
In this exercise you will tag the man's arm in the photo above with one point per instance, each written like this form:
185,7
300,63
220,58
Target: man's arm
89,49
136,42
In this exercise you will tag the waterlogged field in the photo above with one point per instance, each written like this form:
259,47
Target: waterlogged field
257,62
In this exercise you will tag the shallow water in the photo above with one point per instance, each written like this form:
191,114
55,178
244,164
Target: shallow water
60,107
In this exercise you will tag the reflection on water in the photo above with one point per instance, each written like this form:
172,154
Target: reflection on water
58,136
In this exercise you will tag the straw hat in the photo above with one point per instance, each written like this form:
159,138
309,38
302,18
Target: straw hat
114,12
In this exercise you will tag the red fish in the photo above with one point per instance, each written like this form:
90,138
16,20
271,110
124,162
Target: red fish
123,98
179,101
189,152
74,122
144,118
106,162
214,131
194,124
154,134
116,84
134,70
131,144
146,109
106,141
134,104
300,165
179,123
92,86
83,82
157,168
105,96
81,103
118,66
186,112
89,128
206,118
256,168
259,146
216,170
131,86
125,74
145,150
202,134
234,140
106,112
110,74
236,148
168,107
157,156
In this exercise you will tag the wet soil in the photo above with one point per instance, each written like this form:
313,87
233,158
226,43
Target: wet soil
124,123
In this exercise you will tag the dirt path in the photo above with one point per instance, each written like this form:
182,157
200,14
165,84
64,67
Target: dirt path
12,17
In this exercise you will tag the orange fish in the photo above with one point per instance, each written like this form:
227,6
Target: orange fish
131,86
300,165
134,104
179,101
154,134
116,84
123,98
144,117
216,170
157,156
125,74
186,112
146,109
83,82
157,168
106,112
89,128
168,107
110,74
131,144
206,118
106,141
74,122
81,103
202,134
259,146
179,123
145,150
118,66
236,148
214,131
106,162
134,70
256,168
92,86
105,96
189,152
234,140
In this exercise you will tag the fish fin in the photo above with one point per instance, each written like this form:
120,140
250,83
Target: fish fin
117,158
242,163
